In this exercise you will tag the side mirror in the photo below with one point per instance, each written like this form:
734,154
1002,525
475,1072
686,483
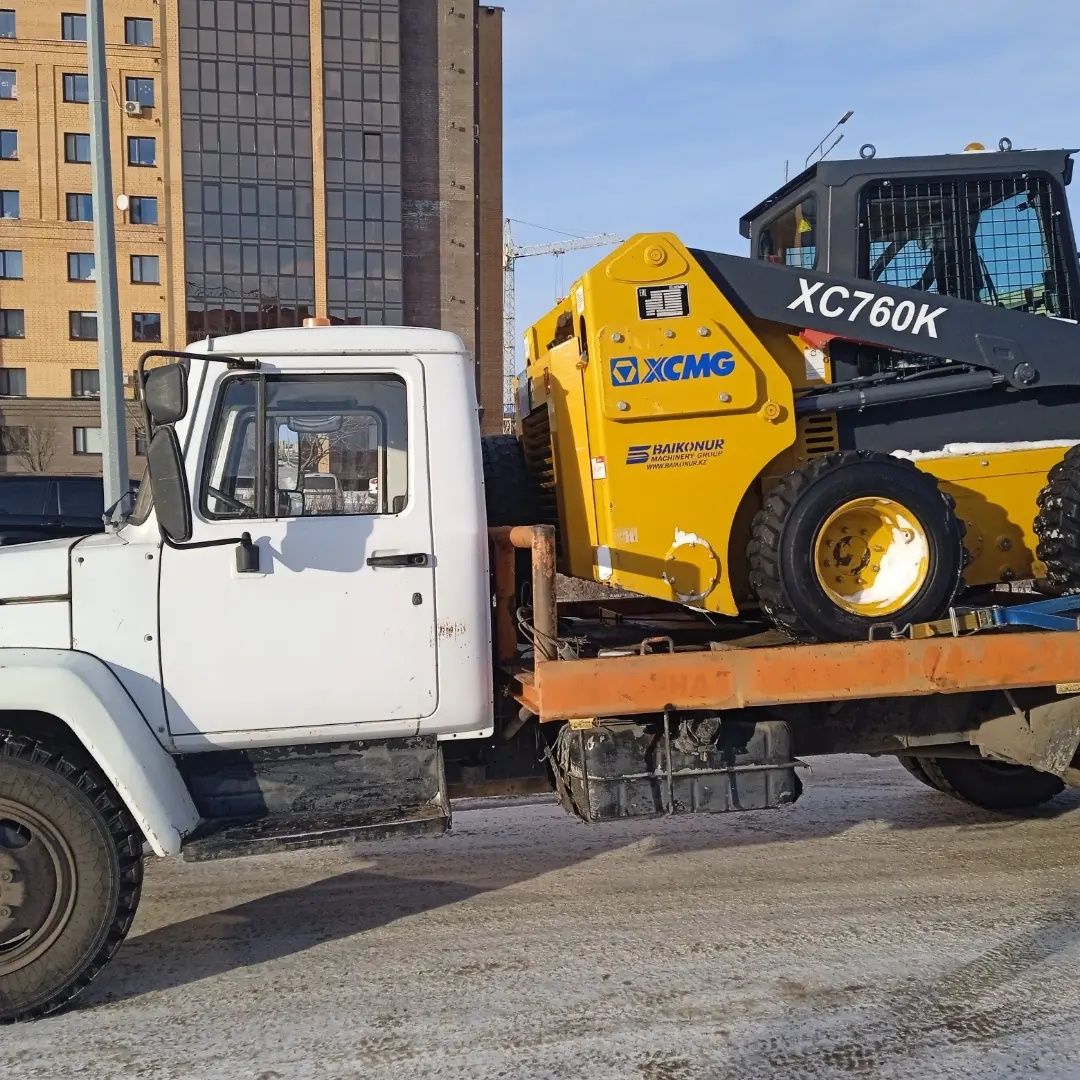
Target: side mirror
165,394
165,463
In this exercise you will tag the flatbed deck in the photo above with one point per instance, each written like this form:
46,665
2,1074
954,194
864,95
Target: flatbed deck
743,673
731,677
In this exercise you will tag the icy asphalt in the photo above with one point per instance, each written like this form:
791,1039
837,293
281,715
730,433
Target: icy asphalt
875,929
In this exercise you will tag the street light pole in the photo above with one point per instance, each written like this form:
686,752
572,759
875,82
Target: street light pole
114,462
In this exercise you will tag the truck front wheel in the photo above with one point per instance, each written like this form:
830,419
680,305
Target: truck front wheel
70,876
993,785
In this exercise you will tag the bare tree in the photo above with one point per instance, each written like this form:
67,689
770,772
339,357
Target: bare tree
34,448
313,449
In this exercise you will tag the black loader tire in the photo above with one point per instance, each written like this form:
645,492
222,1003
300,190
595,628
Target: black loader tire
1057,525
59,926
992,785
914,766
509,491
784,533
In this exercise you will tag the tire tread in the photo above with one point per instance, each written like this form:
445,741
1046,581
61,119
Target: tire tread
126,837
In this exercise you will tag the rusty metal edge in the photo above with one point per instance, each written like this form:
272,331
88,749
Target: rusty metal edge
798,674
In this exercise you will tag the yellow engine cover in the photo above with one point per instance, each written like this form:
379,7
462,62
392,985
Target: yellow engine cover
665,406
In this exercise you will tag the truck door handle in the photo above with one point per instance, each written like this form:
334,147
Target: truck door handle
416,558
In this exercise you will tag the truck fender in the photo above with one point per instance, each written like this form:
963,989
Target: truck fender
83,693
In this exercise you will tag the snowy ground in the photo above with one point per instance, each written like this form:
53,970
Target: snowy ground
875,929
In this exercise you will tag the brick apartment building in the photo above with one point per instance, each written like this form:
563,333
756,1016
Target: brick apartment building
272,159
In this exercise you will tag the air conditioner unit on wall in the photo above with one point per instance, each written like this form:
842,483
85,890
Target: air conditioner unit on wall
133,108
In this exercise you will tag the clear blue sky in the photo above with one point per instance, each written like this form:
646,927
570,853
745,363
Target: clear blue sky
631,115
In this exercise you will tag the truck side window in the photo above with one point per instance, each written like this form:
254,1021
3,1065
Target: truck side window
791,237
333,445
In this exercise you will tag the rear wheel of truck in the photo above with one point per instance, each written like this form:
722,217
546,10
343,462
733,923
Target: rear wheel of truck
914,766
70,876
855,539
992,785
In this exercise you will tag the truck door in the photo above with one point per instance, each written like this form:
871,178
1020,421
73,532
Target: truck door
332,622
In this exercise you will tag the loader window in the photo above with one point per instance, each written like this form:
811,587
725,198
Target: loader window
332,445
995,239
791,237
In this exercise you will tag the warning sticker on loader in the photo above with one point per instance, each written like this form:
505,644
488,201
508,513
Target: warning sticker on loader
663,301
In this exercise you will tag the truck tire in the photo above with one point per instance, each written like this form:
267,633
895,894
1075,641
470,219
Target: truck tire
70,876
815,540
914,766
1057,525
509,491
992,785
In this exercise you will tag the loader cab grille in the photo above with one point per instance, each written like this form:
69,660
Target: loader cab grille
998,240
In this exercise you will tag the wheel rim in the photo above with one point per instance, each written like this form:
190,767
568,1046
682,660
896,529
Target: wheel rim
871,556
37,885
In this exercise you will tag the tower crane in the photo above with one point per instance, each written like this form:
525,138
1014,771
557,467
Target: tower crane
511,253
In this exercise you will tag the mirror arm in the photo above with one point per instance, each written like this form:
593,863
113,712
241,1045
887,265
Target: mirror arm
223,542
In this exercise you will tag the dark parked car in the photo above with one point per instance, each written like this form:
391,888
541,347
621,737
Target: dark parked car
38,507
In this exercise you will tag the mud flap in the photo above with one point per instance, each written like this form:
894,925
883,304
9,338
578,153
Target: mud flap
1045,736
702,766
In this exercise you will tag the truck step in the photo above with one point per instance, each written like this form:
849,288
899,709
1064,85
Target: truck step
287,832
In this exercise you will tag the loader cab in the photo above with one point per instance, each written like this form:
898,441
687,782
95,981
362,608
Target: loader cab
990,227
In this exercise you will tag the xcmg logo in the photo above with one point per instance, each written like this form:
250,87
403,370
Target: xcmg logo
630,370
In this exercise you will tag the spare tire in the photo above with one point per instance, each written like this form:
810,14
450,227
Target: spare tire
855,539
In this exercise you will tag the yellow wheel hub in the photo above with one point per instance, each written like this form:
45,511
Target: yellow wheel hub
871,556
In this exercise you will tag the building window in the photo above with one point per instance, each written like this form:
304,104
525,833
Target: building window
11,323
7,84
11,265
73,27
9,144
143,210
85,382
13,382
76,88
80,266
144,270
9,204
141,442
82,325
7,23
77,148
87,440
140,90
12,441
145,326
142,150
80,207
138,32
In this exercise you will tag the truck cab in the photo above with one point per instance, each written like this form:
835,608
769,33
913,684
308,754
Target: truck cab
266,583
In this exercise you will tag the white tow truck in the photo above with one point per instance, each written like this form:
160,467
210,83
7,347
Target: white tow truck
240,669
